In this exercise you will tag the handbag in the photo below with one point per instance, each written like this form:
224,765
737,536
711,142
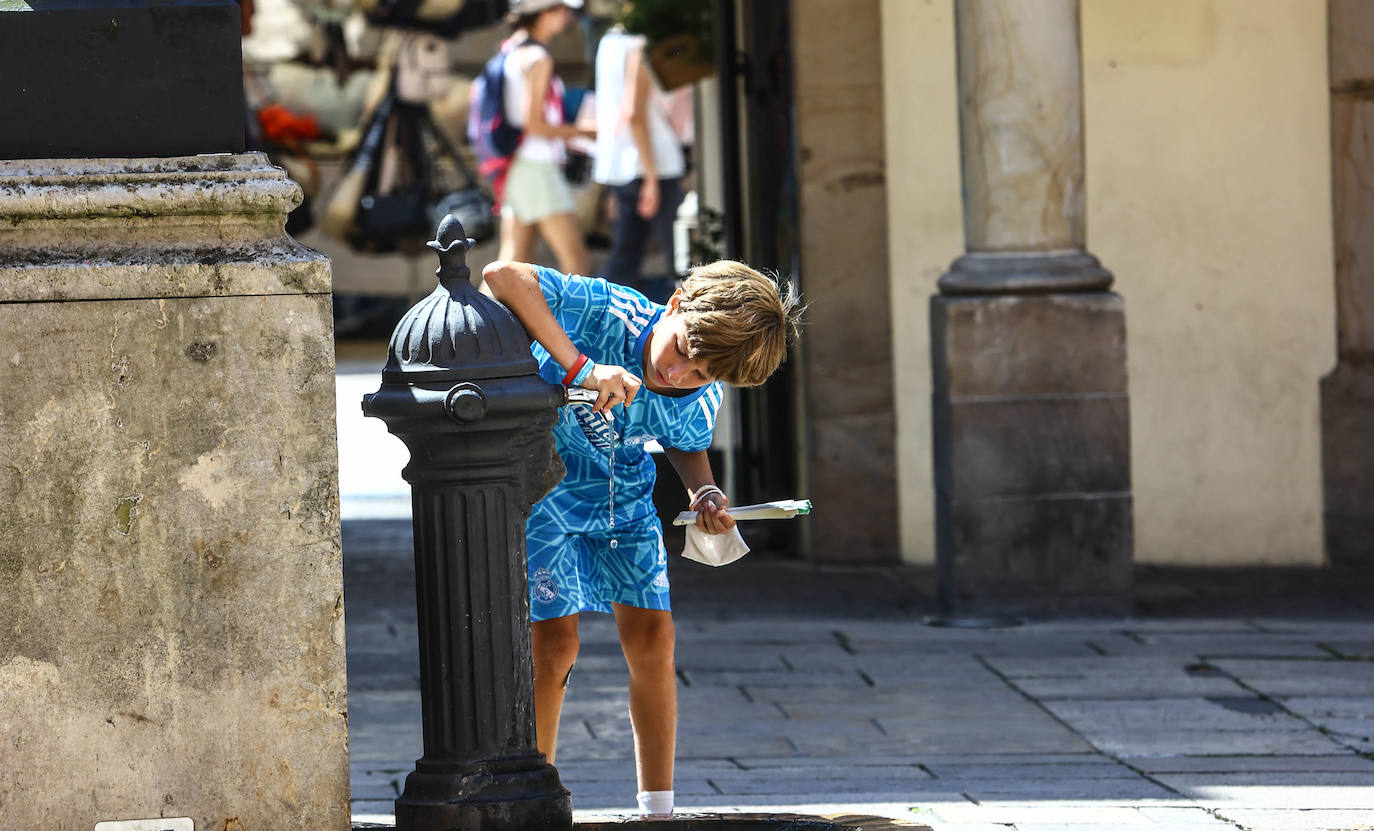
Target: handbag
577,168
472,206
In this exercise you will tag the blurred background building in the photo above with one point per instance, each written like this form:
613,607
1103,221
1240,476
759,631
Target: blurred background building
827,148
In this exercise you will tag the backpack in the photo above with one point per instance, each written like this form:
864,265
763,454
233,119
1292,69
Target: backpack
494,138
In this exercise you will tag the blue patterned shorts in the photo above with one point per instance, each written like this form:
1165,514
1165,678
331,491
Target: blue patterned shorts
571,573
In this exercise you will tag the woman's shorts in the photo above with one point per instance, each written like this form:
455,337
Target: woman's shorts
536,190
572,573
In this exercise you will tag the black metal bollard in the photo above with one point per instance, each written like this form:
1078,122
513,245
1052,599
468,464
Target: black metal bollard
461,389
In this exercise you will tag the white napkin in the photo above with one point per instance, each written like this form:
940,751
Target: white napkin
710,549
714,549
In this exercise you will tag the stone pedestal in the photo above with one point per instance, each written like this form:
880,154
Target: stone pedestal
171,611
1032,453
1028,348
1347,393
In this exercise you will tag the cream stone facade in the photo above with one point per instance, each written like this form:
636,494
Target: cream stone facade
1208,196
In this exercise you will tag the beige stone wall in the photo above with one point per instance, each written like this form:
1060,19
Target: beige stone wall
1208,195
925,232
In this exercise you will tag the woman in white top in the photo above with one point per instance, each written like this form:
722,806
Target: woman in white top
638,156
537,196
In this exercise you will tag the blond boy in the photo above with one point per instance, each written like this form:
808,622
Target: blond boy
595,542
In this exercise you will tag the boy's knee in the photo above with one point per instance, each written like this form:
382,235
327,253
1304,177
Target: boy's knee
652,638
555,644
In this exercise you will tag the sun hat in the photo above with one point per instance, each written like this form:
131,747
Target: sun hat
518,7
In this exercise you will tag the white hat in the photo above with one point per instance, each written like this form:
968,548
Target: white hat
532,6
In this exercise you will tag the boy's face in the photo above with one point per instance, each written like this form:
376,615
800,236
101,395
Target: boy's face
667,370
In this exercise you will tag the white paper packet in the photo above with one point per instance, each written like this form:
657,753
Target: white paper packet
782,509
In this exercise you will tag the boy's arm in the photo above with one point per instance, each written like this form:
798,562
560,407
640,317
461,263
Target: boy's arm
694,468
517,286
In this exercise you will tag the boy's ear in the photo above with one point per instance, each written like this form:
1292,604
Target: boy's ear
674,301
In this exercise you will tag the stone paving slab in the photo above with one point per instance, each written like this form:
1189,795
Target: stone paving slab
1347,763
1133,791
718,657
1228,713
1326,628
1289,789
1183,819
911,785
993,759
1304,678
1360,650
1218,645
1197,626
945,741
1103,768
1259,819
1114,676
696,678
1009,813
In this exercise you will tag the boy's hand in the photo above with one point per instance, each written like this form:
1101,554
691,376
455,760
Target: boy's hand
711,515
614,385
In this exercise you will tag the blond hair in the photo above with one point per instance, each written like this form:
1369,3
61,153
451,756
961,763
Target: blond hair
737,321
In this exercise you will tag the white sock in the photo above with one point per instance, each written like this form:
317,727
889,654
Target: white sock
655,802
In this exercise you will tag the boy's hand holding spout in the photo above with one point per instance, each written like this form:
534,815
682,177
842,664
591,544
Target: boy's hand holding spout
517,286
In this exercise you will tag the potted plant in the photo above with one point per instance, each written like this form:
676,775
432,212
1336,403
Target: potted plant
680,38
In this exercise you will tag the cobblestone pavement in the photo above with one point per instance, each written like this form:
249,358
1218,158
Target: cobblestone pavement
1230,700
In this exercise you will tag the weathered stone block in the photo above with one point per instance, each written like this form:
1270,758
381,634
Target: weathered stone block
846,368
1352,150
1037,555
1029,445
1032,453
1347,405
171,611
1048,344
1352,61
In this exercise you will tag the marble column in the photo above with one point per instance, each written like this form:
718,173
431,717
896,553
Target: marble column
1347,393
1031,422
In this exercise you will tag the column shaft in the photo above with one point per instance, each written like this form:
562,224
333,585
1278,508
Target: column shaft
1021,124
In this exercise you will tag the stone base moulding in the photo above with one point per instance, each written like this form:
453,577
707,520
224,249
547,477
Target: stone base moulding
1022,273
1347,406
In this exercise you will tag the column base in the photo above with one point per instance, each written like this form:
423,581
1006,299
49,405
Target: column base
1025,273
1032,454
1347,407
511,795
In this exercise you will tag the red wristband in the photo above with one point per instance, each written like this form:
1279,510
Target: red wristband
574,369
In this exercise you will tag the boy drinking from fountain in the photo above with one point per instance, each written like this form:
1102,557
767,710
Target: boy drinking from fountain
594,542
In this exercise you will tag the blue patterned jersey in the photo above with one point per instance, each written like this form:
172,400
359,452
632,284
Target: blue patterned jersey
610,324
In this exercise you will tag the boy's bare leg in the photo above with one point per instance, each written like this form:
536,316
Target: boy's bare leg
554,644
646,636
